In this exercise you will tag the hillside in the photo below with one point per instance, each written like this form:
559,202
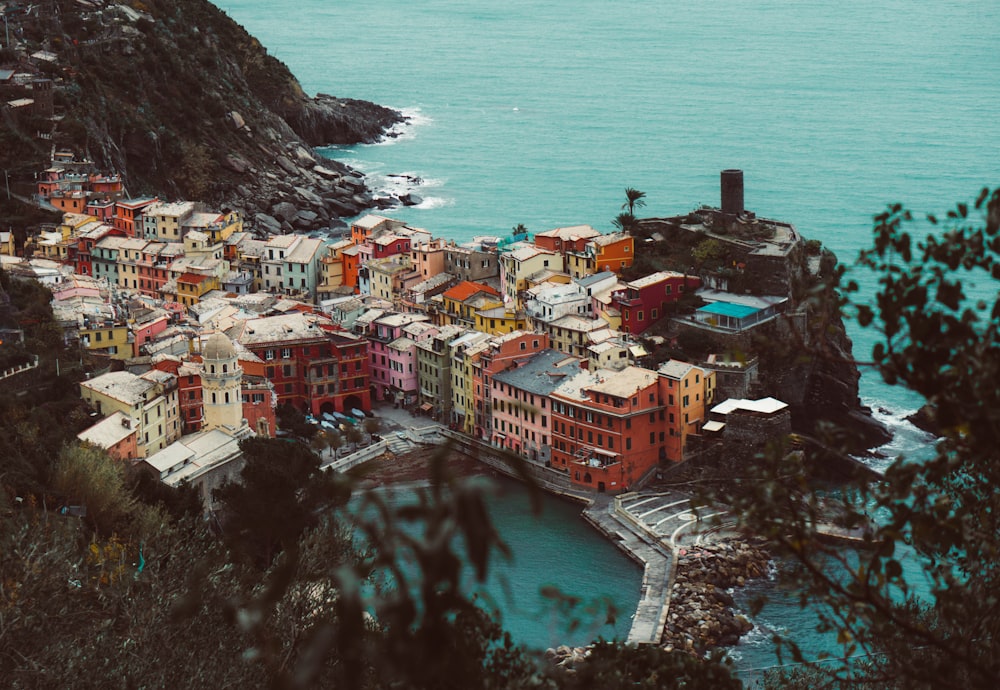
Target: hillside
181,101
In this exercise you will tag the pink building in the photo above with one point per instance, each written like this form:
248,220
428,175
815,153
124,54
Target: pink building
500,354
393,348
522,410
144,332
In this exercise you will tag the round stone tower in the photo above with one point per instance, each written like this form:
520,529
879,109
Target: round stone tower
220,383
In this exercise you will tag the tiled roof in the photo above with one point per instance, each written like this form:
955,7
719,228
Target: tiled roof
467,289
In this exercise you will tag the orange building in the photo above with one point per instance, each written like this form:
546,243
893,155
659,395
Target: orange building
613,252
687,391
128,212
607,427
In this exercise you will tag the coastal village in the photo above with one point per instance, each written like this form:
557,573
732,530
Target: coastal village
535,344
198,329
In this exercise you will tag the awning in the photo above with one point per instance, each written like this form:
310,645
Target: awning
426,407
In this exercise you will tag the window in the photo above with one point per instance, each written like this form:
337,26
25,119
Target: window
628,443
268,355
286,352
652,437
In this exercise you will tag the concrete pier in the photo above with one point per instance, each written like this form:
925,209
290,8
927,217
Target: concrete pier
658,564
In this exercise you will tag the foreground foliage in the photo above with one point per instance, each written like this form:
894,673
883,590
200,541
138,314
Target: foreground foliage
918,606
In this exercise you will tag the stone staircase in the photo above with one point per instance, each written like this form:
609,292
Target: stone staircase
399,442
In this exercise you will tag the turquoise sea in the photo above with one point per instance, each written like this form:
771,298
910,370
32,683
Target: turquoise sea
543,113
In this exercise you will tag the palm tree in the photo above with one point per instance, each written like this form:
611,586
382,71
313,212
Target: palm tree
625,222
633,199
520,229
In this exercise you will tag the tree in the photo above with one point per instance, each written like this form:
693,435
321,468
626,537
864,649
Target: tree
633,199
626,222
520,229
353,435
372,425
280,492
935,521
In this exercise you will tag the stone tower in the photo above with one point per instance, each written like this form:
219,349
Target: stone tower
41,92
220,383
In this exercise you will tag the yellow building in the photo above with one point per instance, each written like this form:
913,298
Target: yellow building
218,226
150,399
499,321
522,262
191,287
113,339
164,221
465,354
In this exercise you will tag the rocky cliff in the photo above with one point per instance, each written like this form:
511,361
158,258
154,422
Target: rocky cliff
181,101
805,355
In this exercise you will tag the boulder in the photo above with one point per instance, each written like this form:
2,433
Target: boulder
235,120
268,223
284,211
236,163
310,197
326,173
303,157
411,200
305,218
286,165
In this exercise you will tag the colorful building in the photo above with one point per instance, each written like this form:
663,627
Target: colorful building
688,392
314,366
520,403
645,301
608,429
151,399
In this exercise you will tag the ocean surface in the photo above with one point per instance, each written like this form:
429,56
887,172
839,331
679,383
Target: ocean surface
543,113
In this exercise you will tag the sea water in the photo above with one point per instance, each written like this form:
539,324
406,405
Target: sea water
543,113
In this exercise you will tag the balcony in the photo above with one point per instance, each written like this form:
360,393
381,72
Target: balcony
595,458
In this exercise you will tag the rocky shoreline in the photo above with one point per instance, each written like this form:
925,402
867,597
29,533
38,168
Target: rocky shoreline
701,614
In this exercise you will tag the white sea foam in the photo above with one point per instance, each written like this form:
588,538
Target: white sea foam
407,129
434,202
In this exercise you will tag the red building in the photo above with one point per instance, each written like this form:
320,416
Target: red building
608,427
313,365
645,301
128,213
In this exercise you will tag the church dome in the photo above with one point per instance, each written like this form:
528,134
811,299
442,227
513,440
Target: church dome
219,346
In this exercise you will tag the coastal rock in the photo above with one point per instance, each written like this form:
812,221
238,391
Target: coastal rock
235,163
235,120
926,419
268,223
701,611
305,219
303,157
285,164
284,211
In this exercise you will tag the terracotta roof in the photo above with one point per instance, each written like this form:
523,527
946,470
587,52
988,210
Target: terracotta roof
467,289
